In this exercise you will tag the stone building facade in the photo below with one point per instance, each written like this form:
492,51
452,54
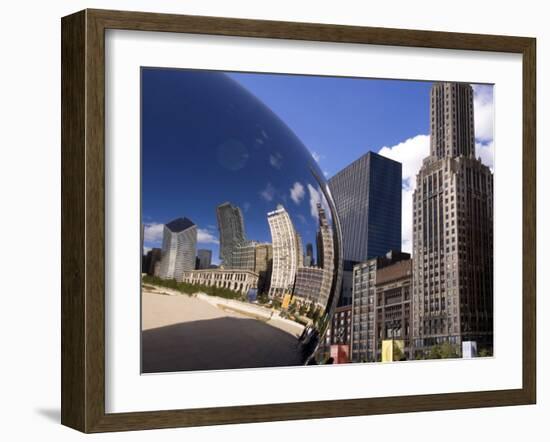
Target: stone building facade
285,252
308,286
452,229
393,311
364,302
236,280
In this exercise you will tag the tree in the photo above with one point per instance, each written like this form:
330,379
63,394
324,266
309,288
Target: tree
443,351
484,353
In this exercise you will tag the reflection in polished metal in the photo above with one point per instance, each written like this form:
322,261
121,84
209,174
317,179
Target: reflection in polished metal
268,300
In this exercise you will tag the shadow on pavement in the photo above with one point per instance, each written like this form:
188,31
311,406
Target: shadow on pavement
216,344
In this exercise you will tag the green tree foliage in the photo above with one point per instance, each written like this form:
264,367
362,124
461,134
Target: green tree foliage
443,351
189,289
484,353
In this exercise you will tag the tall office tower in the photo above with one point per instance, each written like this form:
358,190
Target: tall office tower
367,195
309,285
364,304
179,248
309,261
263,265
325,252
243,256
346,293
452,229
205,258
299,251
153,256
231,228
285,252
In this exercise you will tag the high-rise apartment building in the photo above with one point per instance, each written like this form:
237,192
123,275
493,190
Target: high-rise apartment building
325,254
285,252
309,285
150,259
231,228
308,259
243,256
179,246
205,258
367,196
452,229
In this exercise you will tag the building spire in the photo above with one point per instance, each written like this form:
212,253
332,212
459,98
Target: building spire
452,120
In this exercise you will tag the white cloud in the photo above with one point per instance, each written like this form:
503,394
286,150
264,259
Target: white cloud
206,237
276,160
483,112
410,154
486,151
268,193
316,196
297,192
316,156
153,232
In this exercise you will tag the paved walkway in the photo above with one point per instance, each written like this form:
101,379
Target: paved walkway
181,333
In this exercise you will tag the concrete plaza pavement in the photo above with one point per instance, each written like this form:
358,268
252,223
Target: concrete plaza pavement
181,333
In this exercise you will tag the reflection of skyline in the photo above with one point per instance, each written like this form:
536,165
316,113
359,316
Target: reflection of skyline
247,158
285,250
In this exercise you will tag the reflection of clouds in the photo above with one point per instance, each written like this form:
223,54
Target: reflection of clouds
264,134
276,160
206,237
232,154
246,206
297,192
316,156
152,232
302,218
268,193
316,196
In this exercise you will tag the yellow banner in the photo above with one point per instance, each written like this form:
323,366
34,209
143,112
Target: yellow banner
286,301
393,350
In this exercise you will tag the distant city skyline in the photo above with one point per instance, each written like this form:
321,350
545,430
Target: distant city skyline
338,120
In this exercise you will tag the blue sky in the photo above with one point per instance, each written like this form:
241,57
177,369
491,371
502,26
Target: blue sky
337,119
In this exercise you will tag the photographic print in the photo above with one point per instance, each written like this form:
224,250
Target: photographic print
295,220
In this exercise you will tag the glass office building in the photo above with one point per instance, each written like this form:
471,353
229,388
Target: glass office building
367,194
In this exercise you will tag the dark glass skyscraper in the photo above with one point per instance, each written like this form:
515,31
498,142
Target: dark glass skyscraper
231,227
367,194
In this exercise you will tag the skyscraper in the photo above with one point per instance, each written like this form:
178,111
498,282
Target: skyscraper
205,258
285,252
367,195
452,229
231,228
325,251
308,260
179,247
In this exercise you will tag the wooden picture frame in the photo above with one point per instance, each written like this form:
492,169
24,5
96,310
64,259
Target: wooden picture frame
83,220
